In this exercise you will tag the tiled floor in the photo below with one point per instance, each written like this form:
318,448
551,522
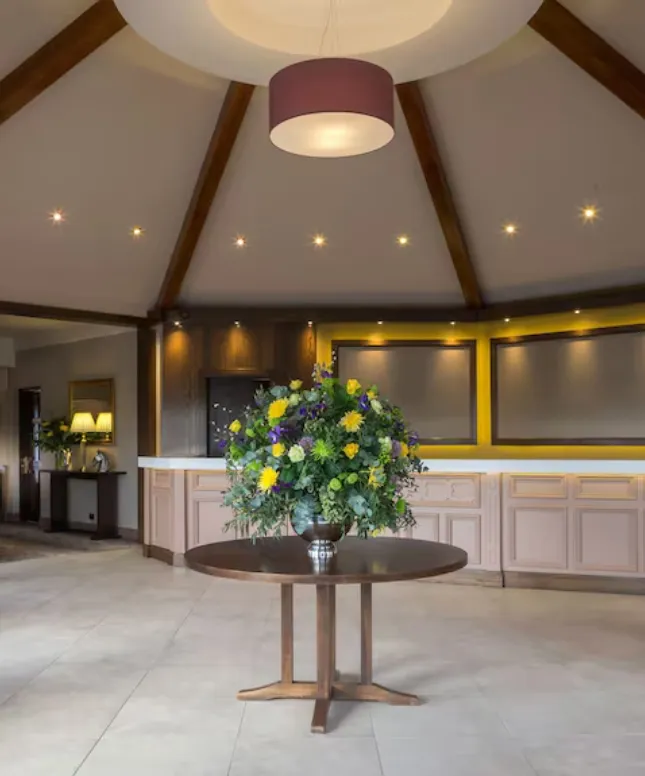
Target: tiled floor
111,664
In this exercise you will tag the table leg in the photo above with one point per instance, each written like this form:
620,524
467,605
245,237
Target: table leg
287,633
325,643
366,634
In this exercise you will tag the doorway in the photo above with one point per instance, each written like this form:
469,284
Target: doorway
28,414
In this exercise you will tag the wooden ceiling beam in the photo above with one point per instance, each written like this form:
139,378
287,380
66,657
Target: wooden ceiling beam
72,315
63,52
418,122
589,51
219,150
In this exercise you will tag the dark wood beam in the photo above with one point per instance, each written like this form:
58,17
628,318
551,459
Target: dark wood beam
72,315
63,52
219,150
566,303
590,52
416,116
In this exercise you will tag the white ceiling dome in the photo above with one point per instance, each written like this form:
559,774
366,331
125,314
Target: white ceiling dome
250,40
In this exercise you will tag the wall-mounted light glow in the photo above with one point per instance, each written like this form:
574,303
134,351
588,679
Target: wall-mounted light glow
453,323
310,324
57,217
577,312
507,320
510,229
403,239
319,240
237,324
240,241
137,232
589,213
379,323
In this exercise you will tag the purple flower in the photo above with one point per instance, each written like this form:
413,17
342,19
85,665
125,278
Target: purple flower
396,448
275,434
280,486
399,428
325,373
364,402
306,443
414,438
302,412
222,444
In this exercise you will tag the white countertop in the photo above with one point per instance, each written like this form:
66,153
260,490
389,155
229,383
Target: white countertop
448,465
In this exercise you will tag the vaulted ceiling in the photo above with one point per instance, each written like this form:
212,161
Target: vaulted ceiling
523,134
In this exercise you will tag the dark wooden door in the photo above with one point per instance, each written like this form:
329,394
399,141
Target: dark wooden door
28,412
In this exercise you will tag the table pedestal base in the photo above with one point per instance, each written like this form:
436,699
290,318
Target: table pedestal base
329,686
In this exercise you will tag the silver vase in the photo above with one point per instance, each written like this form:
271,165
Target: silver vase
322,536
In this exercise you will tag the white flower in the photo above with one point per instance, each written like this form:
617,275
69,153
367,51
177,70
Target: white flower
376,406
386,443
296,454
294,399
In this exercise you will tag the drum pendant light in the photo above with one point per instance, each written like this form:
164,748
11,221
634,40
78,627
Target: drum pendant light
331,107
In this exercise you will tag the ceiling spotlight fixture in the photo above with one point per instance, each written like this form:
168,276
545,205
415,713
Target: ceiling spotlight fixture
331,107
379,323
403,240
310,324
319,240
510,229
237,324
577,312
57,217
589,213
137,231
240,241
507,320
453,323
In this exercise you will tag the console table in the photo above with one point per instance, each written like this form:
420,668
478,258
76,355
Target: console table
359,561
107,501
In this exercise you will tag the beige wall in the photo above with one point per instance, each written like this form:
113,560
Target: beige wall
51,368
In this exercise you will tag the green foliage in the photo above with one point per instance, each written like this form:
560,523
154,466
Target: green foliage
348,457
52,436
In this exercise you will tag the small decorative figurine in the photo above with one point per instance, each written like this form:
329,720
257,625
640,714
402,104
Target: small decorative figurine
101,462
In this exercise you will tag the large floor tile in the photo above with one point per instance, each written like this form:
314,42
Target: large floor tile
315,756
292,719
36,753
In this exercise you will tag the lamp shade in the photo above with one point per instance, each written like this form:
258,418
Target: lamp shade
83,423
104,423
331,108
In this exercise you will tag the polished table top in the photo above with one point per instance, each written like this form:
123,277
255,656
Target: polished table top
358,560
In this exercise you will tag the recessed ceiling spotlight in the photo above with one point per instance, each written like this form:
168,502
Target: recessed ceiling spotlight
403,239
240,241
57,216
510,229
379,323
310,324
577,312
507,320
589,213
319,240
137,231
237,324
453,323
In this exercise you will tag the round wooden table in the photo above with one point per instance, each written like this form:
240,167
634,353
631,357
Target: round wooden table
363,562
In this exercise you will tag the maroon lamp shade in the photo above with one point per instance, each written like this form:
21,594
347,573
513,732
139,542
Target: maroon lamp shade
331,108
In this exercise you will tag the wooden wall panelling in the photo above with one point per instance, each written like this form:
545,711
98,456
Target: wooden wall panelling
164,526
206,515
183,402
295,352
245,349
574,524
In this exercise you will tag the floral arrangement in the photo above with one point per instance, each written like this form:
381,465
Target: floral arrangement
54,436
339,453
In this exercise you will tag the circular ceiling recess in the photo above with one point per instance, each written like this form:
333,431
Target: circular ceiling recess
250,40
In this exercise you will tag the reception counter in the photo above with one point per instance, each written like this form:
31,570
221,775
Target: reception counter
561,524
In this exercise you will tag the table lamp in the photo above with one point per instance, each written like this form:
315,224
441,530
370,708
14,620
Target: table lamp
83,424
104,423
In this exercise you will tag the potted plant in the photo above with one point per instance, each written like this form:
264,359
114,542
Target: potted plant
329,459
54,436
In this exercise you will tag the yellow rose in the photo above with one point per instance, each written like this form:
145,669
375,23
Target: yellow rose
351,450
268,478
376,477
278,450
351,421
404,450
277,408
352,387
295,385
371,394
235,426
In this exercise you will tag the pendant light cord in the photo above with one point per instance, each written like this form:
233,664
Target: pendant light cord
330,24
